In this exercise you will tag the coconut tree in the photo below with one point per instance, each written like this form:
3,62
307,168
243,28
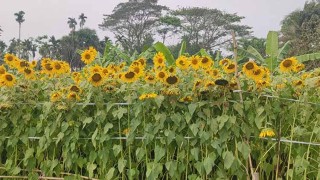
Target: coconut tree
82,19
0,30
72,24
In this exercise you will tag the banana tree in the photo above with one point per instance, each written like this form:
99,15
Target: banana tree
274,54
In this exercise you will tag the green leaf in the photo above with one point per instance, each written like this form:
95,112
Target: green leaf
283,51
195,153
15,170
272,49
91,167
203,53
255,54
87,121
159,153
160,47
116,149
121,164
208,163
244,149
140,153
172,167
159,99
194,129
110,173
309,57
59,137
228,159
192,108
183,48
93,138
107,127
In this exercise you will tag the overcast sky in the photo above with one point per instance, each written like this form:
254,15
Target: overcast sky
49,17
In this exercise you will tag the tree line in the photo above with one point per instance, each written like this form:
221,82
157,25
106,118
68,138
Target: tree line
137,24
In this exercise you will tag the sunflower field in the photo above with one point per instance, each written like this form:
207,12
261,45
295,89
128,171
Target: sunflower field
194,118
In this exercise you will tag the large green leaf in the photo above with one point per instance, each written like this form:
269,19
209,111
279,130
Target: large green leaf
183,48
283,51
255,54
272,47
203,52
309,57
160,47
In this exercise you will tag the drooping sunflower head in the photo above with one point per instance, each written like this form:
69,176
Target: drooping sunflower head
2,69
7,79
150,79
224,62
56,96
96,79
298,83
72,96
258,74
206,62
195,62
28,73
75,89
298,67
209,84
287,65
129,76
159,60
171,80
230,68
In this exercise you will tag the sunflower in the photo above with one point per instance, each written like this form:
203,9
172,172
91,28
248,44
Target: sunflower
159,60
224,62
287,65
171,91
75,88
298,67
87,56
76,76
186,99
267,132
258,74
96,79
182,62
28,73
172,70
249,67
161,75
20,65
196,84
56,96
260,84
138,69
150,79
33,64
57,67
209,84
230,68
214,73
142,61
95,69
148,96
10,59
73,96
206,62
2,70
172,80
48,69
195,62
129,76
7,79
298,83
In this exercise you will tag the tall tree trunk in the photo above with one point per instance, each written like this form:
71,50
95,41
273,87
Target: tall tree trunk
19,43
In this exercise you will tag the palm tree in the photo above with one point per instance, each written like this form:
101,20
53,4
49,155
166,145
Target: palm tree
72,24
82,19
0,30
20,19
